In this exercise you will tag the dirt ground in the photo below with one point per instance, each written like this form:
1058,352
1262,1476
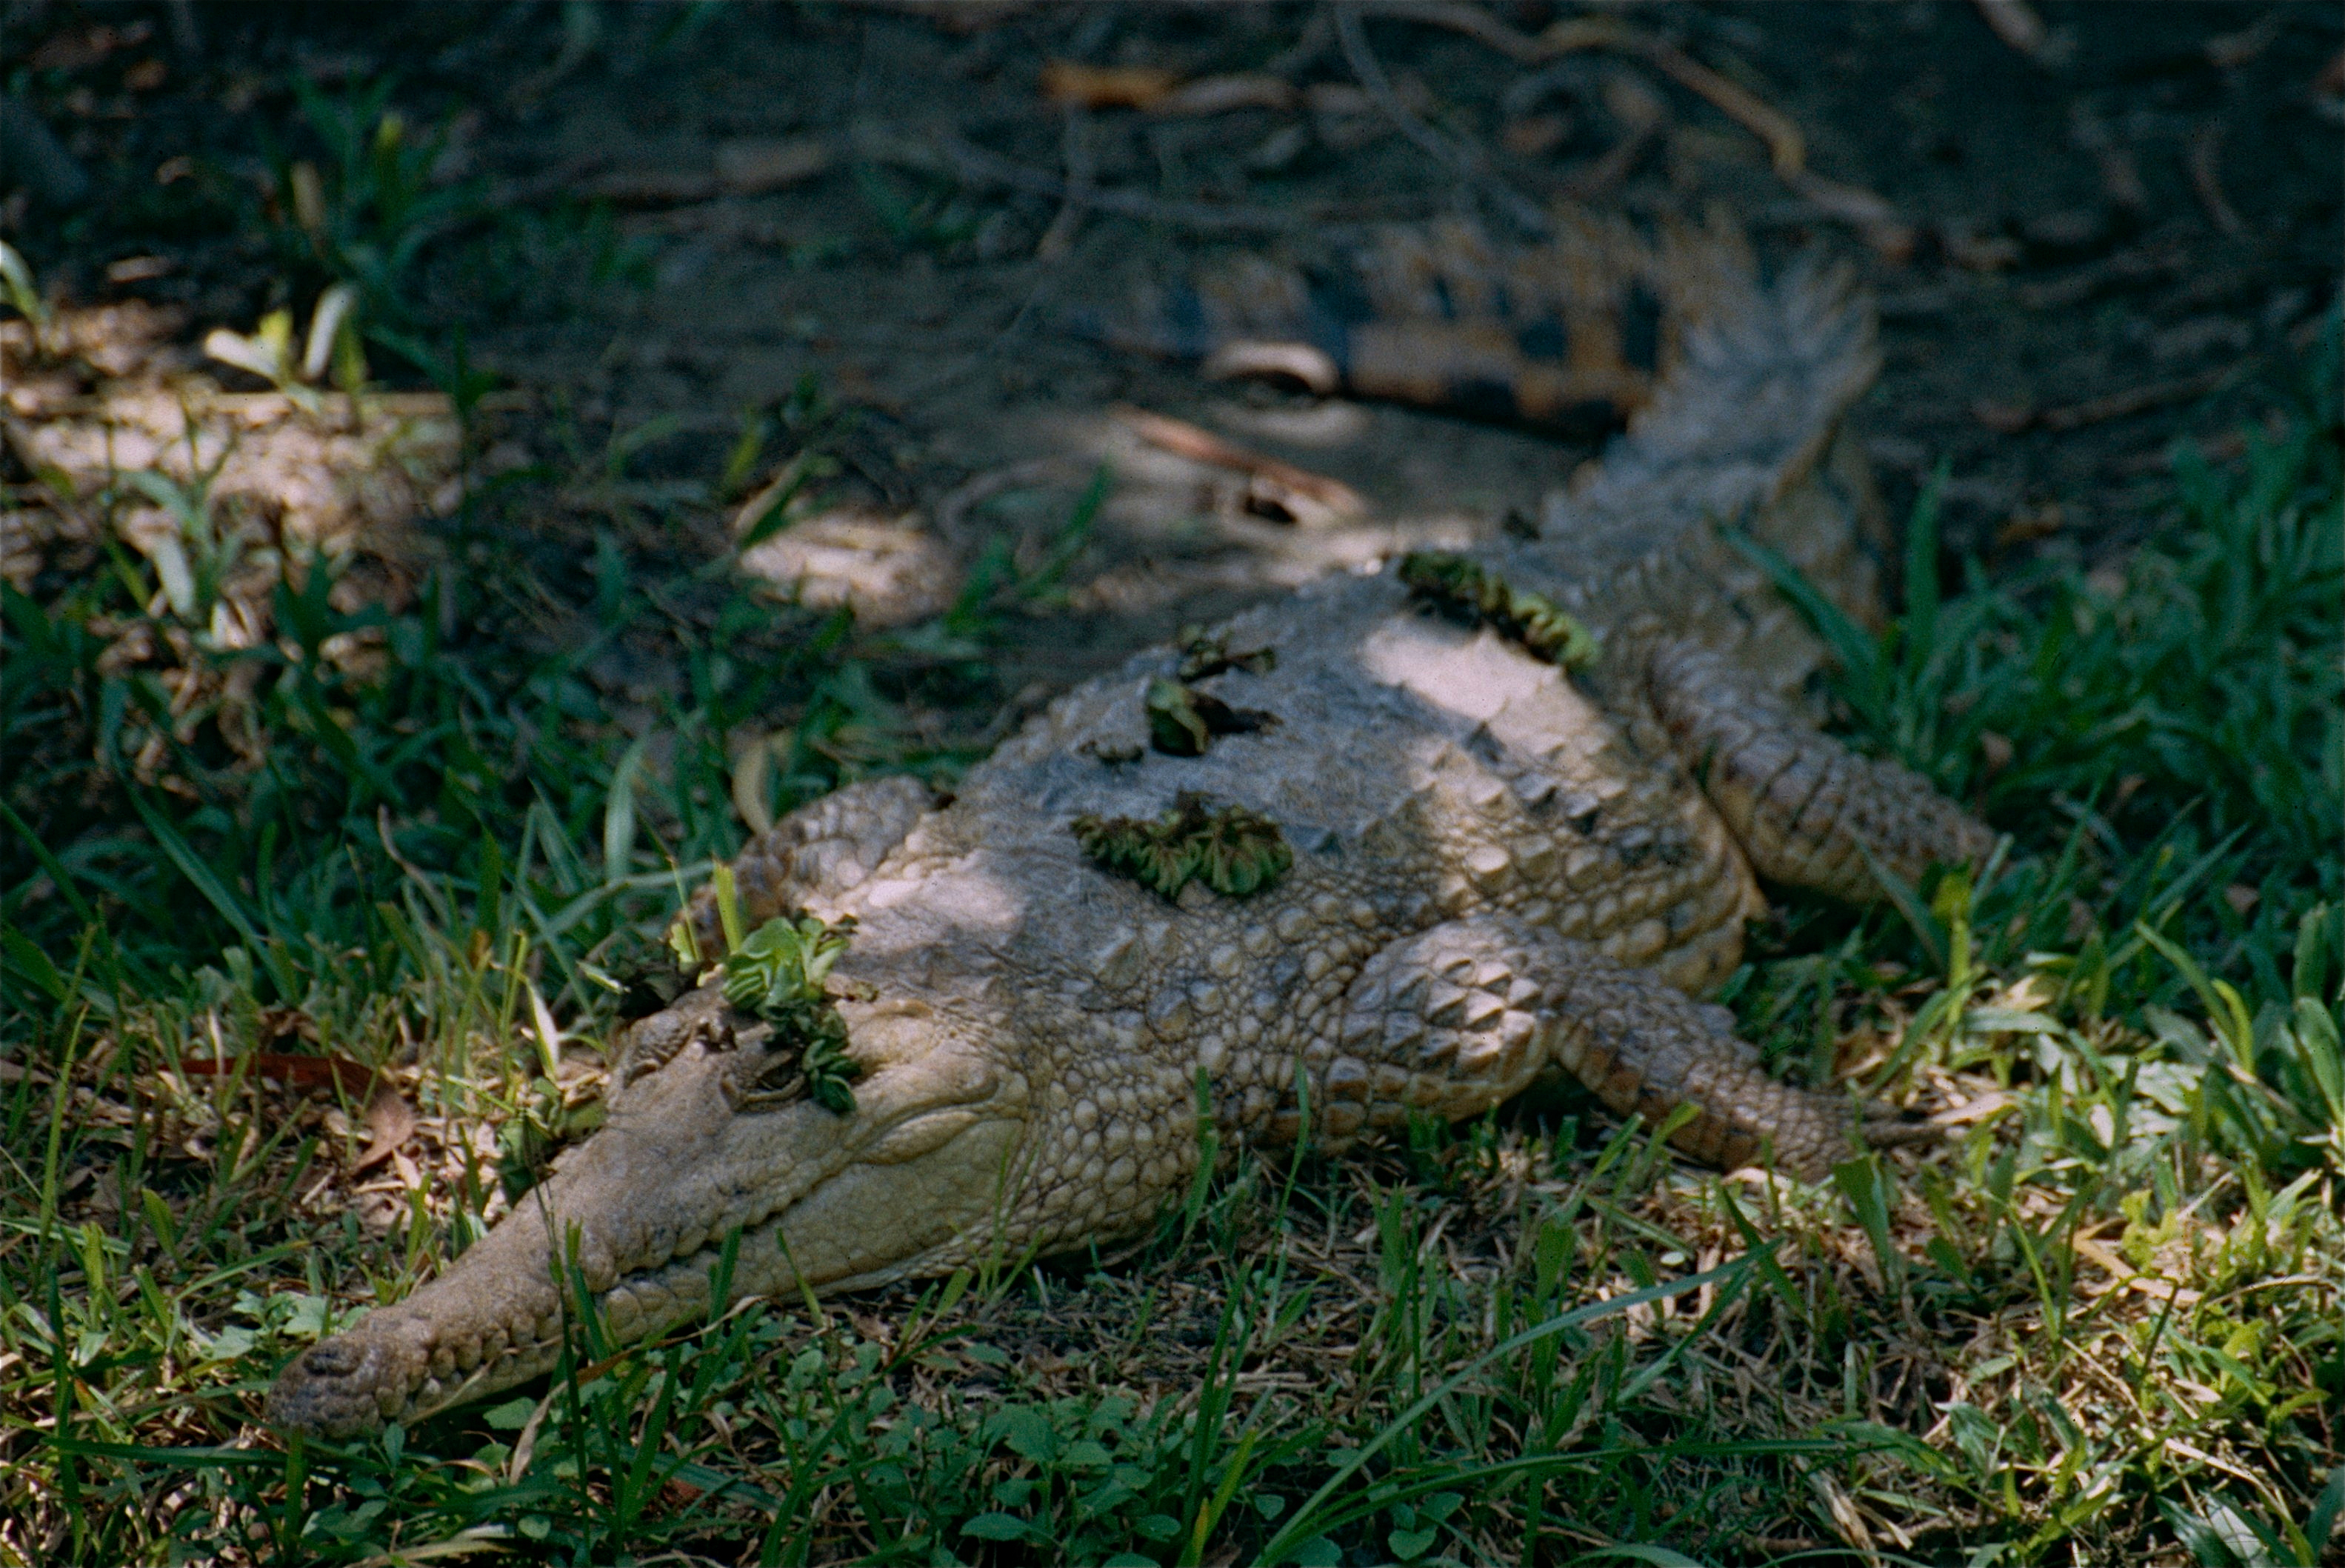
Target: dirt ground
2085,254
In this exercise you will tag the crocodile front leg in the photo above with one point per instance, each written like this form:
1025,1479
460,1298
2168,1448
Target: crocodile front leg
1806,809
1450,1022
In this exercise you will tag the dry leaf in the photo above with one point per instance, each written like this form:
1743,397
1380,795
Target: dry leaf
301,1072
1306,364
1106,87
390,1121
77,51
1307,496
752,167
1534,136
2031,523
889,569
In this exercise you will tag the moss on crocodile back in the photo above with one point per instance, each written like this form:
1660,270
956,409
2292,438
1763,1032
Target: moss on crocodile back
1543,628
1231,849
1207,653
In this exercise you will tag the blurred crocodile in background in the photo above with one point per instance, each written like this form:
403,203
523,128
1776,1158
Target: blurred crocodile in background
1571,336
1391,848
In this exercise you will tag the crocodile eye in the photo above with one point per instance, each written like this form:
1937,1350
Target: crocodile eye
652,1043
648,990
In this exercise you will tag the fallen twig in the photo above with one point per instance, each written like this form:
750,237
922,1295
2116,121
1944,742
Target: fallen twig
2144,265
1059,238
1322,498
2207,178
975,165
2160,459
1370,72
1479,26
953,511
1221,94
2119,176
2011,419
743,168
1787,146
753,166
529,189
1870,214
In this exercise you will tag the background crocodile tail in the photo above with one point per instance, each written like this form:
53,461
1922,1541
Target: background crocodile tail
1572,335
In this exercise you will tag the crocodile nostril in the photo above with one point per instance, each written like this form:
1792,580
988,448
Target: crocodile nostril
333,1359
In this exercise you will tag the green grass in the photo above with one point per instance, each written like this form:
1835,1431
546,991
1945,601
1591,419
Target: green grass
2104,1326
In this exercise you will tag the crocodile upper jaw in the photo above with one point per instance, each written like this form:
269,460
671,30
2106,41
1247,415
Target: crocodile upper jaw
633,1223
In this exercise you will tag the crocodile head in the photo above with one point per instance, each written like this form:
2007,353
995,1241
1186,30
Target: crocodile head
701,1142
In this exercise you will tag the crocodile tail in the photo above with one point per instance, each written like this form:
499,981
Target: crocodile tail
1744,433
1574,334
1764,375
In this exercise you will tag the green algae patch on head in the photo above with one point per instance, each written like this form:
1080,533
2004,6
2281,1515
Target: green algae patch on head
1175,725
778,973
1205,654
1544,629
1231,849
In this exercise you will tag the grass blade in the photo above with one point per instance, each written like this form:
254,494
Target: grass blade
1303,1524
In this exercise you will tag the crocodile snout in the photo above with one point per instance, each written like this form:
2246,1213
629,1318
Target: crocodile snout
341,1388
638,1214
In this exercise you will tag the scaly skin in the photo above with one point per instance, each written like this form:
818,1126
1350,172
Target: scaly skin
1497,870
1572,335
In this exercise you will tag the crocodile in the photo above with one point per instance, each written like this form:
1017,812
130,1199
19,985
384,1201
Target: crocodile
1466,853
1571,336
